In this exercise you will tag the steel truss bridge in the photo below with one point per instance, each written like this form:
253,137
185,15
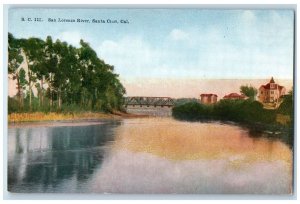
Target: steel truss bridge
142,101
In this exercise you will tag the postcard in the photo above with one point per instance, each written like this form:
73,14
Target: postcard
150,101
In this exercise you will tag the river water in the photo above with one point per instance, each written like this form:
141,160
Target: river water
146,155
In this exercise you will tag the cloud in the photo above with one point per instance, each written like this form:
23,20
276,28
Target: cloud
177,34
132,56
72,37
250,47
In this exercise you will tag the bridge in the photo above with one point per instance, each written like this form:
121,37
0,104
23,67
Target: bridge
142,101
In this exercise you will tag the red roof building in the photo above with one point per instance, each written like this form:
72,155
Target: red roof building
271,92
235,96
208,98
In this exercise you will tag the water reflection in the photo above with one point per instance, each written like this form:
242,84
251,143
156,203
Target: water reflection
147,155
179,140
285,136
41,158
168,156
128,172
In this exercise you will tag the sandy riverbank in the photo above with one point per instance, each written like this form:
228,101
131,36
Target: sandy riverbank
39,116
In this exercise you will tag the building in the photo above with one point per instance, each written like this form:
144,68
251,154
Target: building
235,96
271,92
208,98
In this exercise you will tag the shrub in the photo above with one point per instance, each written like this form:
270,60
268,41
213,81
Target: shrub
230,110
13,105
192,111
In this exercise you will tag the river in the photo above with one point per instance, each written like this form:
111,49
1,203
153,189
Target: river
145,155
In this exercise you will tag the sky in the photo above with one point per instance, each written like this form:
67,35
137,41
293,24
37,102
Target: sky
162,46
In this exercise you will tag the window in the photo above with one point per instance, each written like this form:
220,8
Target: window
272,92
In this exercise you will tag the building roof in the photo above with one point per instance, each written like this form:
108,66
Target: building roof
268,85
235,96
276,86
209,94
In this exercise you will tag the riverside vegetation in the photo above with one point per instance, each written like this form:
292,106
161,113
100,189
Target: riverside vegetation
245,112
58,78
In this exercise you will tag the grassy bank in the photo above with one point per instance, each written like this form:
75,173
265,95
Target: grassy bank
39,116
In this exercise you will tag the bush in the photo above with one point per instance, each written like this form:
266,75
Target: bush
13,105
229,110
286,107
192,111
181,101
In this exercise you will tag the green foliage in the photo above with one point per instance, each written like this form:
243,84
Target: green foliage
22,77
13,105
287,105
229,110
15,57
193,111
287,108
249,91
66,78
181,101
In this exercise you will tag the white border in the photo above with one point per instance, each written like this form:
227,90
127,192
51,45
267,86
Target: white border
158,3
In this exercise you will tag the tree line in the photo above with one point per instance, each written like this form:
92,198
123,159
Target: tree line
237,110
65,78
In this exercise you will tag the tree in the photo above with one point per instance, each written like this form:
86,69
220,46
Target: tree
72,84
287,105
33,49
43,68
96,75
75,76
62,70
15,59
49,66
22,82
249,91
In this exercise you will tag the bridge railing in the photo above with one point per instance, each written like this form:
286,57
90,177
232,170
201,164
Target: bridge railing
149,101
